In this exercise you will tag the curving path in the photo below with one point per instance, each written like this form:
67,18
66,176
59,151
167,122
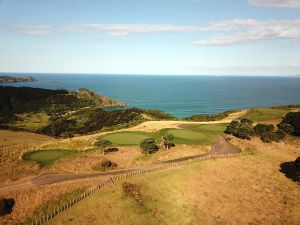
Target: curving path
222,147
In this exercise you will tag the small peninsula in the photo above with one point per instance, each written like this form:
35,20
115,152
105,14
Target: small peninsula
9,79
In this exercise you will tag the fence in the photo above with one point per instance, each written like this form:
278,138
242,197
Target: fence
111,180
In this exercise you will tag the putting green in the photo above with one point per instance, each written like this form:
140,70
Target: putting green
47,157
126,138
189,137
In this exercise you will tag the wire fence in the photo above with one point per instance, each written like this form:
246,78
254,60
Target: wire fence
112,180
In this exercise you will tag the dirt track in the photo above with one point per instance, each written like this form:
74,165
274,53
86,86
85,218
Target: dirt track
221,147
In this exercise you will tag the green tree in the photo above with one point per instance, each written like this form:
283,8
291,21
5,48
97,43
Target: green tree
166,140
232,127
103,144
148,145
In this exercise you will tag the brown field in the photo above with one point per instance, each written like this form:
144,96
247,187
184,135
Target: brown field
244,190
12,146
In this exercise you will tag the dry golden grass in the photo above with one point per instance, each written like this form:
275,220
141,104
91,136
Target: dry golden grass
12,145
28,201
244,190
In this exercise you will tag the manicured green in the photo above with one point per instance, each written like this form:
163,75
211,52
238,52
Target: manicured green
265,114
220,127
47,157
127,138
181,136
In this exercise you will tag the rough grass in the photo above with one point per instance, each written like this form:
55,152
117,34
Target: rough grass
31,121
265,114
127,138
244,190
47,157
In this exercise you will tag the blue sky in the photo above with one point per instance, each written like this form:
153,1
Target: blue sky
188,37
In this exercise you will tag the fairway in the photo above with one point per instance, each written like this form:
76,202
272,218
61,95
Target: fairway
219,128
265,114
182,136
127,138
47,157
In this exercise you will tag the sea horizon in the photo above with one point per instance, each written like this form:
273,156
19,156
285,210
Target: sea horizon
181,96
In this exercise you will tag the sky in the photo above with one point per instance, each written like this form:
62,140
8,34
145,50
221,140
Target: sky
159,37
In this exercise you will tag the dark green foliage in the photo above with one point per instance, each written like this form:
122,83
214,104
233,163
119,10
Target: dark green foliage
6,206
148,145
205,117
103,143
261,129
297,162
89,120
280,134
286,127
232,127
293,118
240,130
246,121
166,140
269,137
159,115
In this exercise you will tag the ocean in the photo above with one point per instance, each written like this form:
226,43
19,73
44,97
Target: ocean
181,96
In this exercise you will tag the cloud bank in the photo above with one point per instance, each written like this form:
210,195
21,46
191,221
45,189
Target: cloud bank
227,32
276,3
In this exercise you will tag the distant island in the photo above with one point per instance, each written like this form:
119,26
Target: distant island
9,79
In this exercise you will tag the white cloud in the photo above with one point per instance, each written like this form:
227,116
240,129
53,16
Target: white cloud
247,31
132,29
276,3
39,30
225,32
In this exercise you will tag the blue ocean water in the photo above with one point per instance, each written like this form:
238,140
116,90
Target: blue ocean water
181,95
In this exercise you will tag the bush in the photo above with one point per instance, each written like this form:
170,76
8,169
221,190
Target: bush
270,136
148,145
166,141
6,206
297,162
246,121
261,129
105,165
232,127
103,144
286,127
241,130
293,118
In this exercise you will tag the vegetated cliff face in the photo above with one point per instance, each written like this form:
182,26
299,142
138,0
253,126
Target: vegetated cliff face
25,99
97,99
8,79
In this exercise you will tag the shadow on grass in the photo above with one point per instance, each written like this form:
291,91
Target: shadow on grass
291,171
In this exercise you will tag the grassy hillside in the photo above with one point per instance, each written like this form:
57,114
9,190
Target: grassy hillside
225,191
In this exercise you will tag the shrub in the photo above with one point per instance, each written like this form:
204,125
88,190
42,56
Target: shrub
105,165
286,127
246,122
261,129
232,127
297,162
166,140
103,144
241,130
6,206
293,118
270,136
148,145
